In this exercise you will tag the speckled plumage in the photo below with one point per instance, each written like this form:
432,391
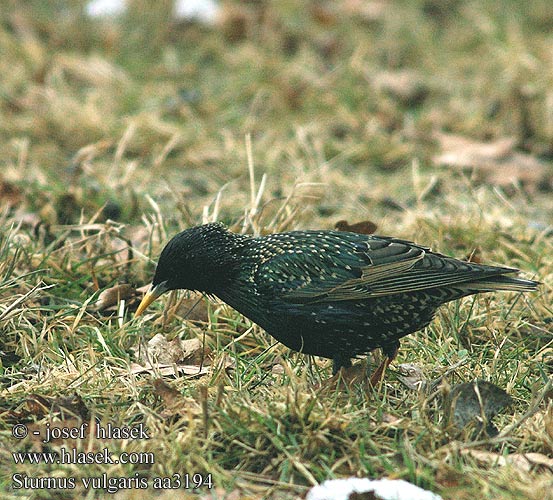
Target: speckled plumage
327,293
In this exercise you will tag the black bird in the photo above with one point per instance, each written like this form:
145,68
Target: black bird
328,293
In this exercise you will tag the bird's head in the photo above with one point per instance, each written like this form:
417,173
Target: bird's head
200,258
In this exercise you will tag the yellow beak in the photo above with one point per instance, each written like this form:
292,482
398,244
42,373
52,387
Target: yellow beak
153,294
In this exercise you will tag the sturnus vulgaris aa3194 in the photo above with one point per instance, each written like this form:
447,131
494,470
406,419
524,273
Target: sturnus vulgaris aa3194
328,293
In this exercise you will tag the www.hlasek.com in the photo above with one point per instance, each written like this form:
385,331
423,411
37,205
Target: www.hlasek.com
68,455
72,456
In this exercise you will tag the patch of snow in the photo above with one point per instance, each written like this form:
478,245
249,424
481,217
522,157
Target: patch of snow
383,489
105,8
203,11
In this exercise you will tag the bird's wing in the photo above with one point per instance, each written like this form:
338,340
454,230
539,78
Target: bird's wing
336,266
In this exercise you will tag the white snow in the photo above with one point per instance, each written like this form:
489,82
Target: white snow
105,8
203,11
384,489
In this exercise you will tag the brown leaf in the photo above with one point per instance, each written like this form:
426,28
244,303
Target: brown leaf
194,308
112,296
370,11
548,420
167,370
524,461
364,227
10,194
448,477
175,403
348,377
497,162
411,376
163,351
62,406
168,394
405,86
475,256
388,418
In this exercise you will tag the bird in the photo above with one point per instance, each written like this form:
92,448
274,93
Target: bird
333,294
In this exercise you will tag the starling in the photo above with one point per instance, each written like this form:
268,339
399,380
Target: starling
333,294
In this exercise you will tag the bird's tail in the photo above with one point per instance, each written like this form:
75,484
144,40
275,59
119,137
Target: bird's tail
502,283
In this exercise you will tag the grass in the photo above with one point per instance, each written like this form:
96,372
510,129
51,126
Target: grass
118,133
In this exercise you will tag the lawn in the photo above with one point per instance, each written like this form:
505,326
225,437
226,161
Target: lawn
431,120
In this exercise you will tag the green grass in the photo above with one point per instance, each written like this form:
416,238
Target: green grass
117,134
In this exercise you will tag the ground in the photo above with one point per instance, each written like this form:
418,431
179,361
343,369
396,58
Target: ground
431,120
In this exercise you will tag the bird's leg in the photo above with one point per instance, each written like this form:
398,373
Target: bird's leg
340,362
390,352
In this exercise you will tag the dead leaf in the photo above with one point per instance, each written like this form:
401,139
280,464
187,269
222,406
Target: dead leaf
524,461
368,11
411,376
143,290
175,403
10,194
193,308
277,369
476,403
363,227
167,370
168,394
548,420
475,256
62,406
496,162
163,351
112,296
388,418
406,86
348,377
449,477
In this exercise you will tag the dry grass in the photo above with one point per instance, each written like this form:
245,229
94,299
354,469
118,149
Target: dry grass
116,134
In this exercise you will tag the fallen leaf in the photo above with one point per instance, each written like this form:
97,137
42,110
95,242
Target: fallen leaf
367,11
524,461
10,194
62,406
348,377
193,308
449,477
172,369
548,420
388,418
406,86
175,403
411,376
476,403
112,296
475,256
277,369
168,394
163,351
364,227
496,162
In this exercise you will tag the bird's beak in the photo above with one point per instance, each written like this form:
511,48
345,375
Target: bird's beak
153,293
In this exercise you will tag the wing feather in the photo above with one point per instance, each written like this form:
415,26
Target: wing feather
339,266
